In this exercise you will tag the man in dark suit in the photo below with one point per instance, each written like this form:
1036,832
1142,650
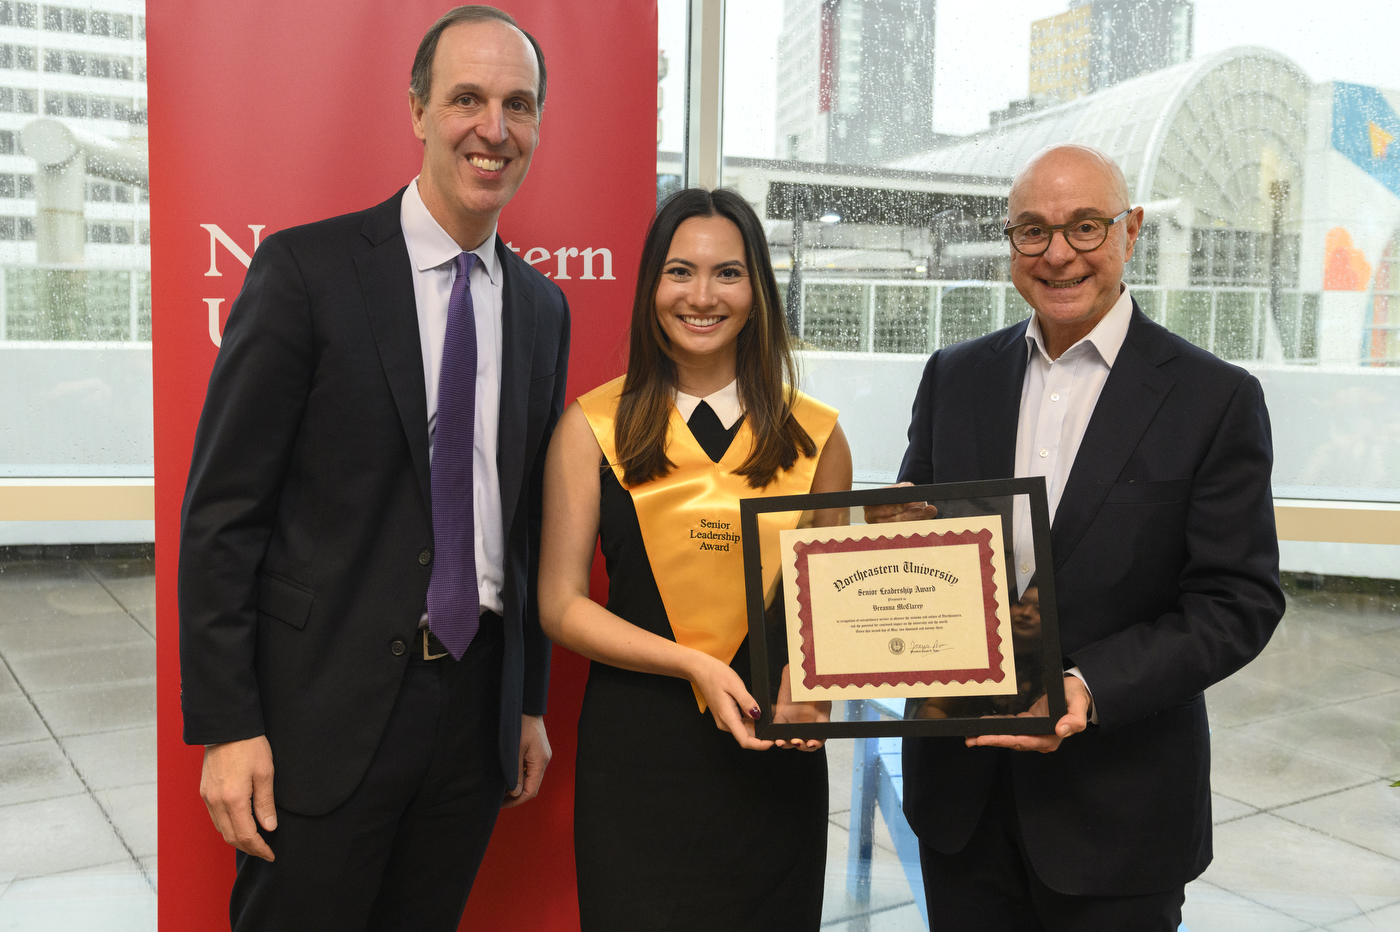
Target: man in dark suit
1156,457
361,527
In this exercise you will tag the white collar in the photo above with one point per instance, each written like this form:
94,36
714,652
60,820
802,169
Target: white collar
430,246
724,402
1107,336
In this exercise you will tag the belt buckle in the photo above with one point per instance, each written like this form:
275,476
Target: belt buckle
427,654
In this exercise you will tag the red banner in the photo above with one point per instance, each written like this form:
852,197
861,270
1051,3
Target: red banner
270,113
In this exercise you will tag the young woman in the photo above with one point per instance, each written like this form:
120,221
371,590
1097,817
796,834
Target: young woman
679,824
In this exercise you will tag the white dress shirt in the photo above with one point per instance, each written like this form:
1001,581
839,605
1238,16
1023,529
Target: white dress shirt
433,254
1057,399
725,404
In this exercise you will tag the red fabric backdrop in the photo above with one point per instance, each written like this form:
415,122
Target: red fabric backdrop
271,113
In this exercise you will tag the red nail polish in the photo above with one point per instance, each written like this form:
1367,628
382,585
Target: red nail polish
755,714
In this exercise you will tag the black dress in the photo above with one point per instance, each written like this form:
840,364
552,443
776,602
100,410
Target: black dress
675,826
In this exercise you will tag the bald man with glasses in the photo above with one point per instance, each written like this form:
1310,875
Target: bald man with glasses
1156,457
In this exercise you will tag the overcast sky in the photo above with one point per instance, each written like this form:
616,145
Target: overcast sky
982,48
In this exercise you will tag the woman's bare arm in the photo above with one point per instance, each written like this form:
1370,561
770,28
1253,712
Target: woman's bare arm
570,618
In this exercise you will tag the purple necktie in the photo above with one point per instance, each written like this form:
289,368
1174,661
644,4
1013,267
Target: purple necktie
454,605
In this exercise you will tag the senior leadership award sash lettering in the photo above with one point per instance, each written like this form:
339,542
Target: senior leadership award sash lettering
690,520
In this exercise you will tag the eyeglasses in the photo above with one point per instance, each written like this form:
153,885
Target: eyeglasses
1083,235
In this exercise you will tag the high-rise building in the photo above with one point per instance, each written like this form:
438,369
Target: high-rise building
1098,43
86,67
855,80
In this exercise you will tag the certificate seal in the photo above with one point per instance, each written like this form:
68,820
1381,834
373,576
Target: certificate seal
896,646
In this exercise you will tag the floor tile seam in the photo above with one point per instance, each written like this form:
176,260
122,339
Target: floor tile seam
1367,912
91,734
1265,906
110,594
1317,757
123,786
32,741
74,767
1307,799
42,799
94,684
46,652
109,731
72,871
1346,841
132,681
121,837
1232,799
1313,708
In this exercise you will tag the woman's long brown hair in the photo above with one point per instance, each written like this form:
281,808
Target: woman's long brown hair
764,361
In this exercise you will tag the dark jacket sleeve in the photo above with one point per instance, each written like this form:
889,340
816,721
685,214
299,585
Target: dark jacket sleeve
1230,599
537,646
247,431
917,466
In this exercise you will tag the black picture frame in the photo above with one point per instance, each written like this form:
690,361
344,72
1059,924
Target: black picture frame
1051,661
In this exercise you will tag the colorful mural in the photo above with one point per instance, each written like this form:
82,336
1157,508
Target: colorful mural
1364,126
1346,268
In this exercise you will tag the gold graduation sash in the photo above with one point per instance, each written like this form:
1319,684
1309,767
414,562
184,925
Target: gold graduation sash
690,520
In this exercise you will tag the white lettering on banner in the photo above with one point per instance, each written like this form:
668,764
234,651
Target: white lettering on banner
214,333
534,255
562,254
537,254
217,235
587,257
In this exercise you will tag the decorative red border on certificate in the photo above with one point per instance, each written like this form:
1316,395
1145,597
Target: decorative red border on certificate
992,673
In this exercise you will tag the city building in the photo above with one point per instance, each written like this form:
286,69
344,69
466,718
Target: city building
855,80
83,68
1096,44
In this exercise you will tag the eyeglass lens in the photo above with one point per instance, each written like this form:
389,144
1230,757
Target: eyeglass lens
1084,234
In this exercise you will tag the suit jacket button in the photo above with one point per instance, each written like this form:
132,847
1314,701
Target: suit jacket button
424,557
398,647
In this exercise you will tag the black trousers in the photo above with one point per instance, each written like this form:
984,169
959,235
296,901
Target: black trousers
403,850
991,884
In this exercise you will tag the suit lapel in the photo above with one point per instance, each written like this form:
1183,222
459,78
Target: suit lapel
997,385
517,354
386,280
1132,393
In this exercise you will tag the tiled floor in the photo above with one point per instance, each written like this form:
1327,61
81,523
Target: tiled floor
1306,741
77,745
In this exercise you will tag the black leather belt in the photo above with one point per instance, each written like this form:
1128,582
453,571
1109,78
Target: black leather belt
433,649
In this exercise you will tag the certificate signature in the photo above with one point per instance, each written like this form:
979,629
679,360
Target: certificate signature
934,648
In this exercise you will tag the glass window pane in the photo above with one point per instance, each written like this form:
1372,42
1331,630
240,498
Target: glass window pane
75,379
902,318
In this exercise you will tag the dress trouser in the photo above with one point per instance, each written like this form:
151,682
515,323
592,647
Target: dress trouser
403,850
991,884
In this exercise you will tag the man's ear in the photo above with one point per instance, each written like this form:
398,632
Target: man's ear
415,115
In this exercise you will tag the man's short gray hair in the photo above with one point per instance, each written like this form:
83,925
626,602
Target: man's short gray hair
420,83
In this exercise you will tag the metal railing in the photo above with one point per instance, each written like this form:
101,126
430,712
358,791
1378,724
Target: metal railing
63,304
917,316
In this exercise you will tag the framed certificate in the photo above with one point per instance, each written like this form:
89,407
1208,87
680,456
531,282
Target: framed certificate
930,619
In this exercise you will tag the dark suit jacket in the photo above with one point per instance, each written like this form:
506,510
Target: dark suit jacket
307,534
1166,570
